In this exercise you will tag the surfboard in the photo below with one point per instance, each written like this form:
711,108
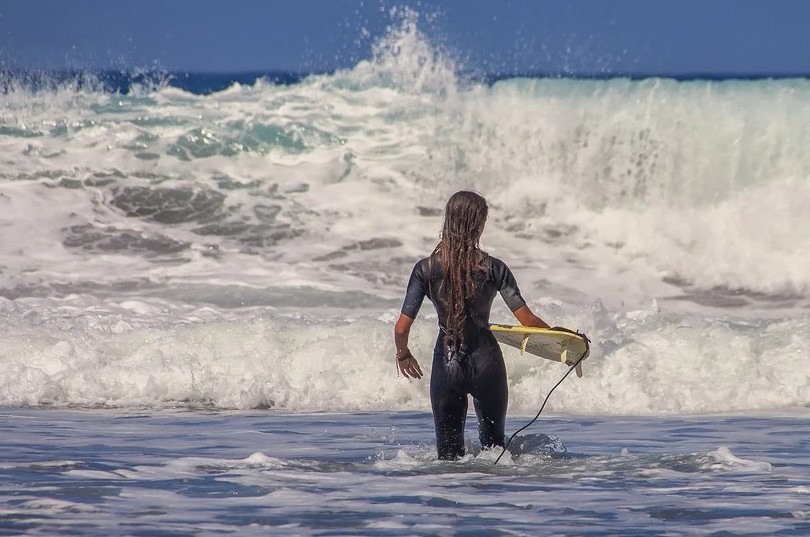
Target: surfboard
555,344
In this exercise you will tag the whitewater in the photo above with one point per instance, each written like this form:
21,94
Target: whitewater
240,247
192,265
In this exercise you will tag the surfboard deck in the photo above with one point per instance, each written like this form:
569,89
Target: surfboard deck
555,345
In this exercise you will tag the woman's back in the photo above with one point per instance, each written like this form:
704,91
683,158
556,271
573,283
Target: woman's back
428,279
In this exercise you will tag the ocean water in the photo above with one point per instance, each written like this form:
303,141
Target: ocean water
197,292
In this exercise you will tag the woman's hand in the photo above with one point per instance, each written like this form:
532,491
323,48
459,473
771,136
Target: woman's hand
408,366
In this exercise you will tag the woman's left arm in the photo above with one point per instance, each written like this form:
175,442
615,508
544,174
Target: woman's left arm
406,363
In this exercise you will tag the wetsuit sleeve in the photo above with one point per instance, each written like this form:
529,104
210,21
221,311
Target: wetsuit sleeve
416,292
507,285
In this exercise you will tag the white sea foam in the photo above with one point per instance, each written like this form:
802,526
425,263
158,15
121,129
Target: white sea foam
725,459
250,247
647,362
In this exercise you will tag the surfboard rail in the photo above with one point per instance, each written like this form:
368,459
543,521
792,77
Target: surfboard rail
557,344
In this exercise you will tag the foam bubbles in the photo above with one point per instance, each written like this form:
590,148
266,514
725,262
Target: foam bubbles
652,363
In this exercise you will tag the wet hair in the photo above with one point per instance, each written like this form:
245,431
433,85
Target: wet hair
461,257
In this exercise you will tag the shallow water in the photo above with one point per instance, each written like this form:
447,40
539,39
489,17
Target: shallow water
105,472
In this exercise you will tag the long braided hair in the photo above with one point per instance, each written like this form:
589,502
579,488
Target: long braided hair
460,256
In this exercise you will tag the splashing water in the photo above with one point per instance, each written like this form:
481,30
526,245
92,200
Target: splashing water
169,248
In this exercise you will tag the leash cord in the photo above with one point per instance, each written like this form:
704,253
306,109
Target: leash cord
541,408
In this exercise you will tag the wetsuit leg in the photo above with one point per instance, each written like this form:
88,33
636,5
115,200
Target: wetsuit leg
490,395
449,402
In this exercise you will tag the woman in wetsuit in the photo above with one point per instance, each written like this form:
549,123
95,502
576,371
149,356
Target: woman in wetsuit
461,281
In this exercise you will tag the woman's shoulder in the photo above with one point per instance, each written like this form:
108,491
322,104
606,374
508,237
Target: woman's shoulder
424,265
495,262
425,261
498,269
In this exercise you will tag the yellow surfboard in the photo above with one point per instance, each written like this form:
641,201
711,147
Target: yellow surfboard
549,343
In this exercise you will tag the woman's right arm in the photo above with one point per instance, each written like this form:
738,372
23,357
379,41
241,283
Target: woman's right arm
508,287
527,318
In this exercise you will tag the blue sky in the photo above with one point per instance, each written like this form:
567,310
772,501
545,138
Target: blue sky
561,37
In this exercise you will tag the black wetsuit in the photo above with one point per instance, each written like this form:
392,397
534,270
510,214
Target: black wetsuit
477,367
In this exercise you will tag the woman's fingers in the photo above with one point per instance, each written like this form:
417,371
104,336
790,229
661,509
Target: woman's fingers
410,368
414,369
402,366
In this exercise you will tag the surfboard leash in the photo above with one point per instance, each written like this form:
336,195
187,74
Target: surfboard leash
541,406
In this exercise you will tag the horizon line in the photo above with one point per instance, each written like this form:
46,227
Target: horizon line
497,75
